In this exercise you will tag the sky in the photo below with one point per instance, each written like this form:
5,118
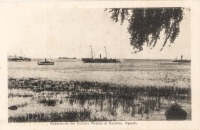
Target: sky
41,31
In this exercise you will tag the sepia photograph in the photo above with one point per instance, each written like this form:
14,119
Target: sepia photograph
99,64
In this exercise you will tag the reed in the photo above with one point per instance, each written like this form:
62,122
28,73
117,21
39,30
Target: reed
135,100
64,116
91,89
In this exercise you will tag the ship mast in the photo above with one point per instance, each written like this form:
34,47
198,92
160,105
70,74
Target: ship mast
91,52
21,52
105,52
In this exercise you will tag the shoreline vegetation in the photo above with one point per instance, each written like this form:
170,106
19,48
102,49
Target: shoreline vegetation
96,101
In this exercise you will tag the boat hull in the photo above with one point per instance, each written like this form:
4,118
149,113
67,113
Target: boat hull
19,60
91,60
182,61
45,63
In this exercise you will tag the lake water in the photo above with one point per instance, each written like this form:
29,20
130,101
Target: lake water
129,72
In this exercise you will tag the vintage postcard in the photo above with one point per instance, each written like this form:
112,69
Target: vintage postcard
100,64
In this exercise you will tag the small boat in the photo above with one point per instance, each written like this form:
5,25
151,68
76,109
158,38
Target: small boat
66,58
45,62
181,60
100,60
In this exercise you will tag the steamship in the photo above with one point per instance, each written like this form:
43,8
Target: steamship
181,60
19,58
100,59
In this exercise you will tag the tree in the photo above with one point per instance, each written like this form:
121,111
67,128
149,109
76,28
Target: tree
146,24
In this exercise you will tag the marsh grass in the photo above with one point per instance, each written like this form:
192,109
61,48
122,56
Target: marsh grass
96,88
65,116
134,100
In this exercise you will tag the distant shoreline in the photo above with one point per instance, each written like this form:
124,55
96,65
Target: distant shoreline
79,59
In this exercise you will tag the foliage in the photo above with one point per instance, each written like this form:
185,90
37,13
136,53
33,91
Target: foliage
146,24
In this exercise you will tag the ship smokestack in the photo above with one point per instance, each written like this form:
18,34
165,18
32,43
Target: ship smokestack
100,56
181,57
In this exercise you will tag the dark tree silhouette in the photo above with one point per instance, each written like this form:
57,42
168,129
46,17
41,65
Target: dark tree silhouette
146,24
